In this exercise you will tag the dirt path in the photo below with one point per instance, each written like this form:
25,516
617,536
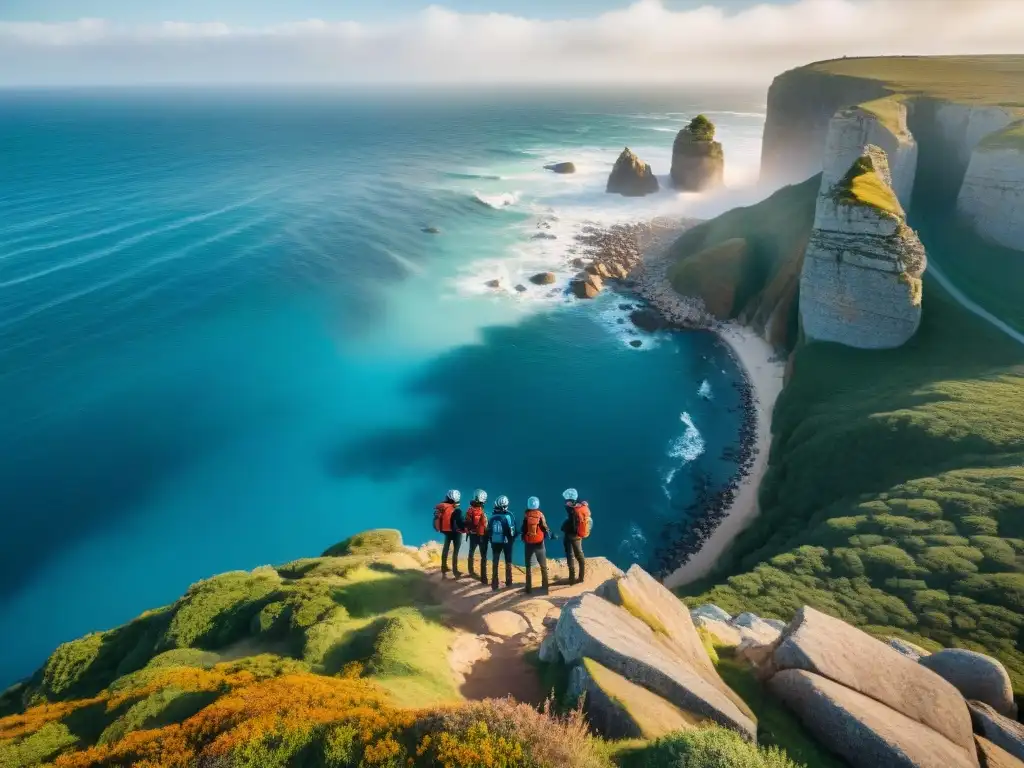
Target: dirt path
497,630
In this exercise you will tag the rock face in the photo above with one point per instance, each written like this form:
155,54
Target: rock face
863,731
635,628
586,286
561,167
993,756
1002,731
631,176
827,647
976,676
861,279
991,197
882,123
698,162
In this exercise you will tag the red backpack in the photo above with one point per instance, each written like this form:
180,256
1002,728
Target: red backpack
532,532
476,520
443,517
582,519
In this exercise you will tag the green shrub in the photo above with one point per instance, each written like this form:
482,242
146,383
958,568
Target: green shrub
170,705
701,128
38,748
377,542
708,748
410,658
184,657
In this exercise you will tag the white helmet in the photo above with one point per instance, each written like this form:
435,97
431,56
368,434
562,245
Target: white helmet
480,495
501,502
533,503
570,494
454,496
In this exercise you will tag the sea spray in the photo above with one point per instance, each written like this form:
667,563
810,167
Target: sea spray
704,390
497,202
687,447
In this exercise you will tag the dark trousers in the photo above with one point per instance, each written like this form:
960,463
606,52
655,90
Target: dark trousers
536,551
453,541
477,541
573,557
496,552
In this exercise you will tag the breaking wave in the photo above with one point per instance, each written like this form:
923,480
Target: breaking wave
497,202
687,447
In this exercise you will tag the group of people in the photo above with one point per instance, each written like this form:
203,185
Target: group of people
499,533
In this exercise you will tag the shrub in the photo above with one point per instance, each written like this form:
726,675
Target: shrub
218,611
701,128
37,748
377,542
713,747
160,708
184,657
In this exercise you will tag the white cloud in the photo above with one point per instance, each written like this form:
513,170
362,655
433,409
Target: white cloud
644,42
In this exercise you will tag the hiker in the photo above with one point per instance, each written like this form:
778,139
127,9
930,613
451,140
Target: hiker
535,530
476,527
503,535
448,520
575,529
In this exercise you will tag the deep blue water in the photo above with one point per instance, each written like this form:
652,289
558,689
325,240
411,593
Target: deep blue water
225,340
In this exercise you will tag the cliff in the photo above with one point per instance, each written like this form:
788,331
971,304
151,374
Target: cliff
631,176
991,197
861,278
698,162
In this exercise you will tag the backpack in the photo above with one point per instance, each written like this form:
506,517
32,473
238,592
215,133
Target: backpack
582,520
476,520
501,528
443,514
532,532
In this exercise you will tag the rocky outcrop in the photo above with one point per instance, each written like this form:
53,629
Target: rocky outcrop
861,279
746,630
698,162
866,733
620,709
976,676
586,286
1002,731
561,167
543,278
882,123
991,197
631,176
818,643
992,756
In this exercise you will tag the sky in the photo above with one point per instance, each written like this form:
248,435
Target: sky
130,42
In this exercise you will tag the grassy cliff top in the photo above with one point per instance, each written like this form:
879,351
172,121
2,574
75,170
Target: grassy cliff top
997,80
863,186
1011,137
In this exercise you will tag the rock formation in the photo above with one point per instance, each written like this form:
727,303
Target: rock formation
861,279
631,176
991,197
543,278
1002,731
561,167
976,676
586,285
698,162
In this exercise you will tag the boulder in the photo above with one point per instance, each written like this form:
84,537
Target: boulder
543,278
565,167
649,320
865,732
1001,731
826,646
586,286
493,283
910,650
976,676
756,630
578,263
992,756
755,653
631,176
591,627
505,623
520,288
619,709
548,652
636,343
698,162
711,611
721,632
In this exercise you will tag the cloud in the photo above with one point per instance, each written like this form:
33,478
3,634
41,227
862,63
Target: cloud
644,42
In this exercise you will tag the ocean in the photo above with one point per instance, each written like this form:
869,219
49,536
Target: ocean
226,340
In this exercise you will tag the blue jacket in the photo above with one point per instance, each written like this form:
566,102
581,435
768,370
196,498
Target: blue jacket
506,536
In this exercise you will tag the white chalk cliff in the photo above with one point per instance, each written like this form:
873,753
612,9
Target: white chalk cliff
992,194
861,279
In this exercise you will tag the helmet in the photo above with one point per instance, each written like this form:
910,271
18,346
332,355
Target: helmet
454,496
480,495
570,494
533,503
501,502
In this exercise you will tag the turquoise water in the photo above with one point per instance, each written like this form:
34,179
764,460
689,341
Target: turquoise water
225,340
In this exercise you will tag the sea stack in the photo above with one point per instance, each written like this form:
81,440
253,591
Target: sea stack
861,278
631,176
698,162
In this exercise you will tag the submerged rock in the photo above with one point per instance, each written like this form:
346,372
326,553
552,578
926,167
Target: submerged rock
636,343
565,167
631,176
648,320
431,230
520,288
698,162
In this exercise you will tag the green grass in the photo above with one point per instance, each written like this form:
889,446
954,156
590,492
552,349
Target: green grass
964,79
381,541
714,274
170,705
890,112
410,659
863,186
712,747
1011,137
38,748
894,492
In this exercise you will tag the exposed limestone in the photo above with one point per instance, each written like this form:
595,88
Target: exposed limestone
963,127
976,676
863,731
1001,731
591,627
619,709
698,162
861,278
631,176
818,643
991,197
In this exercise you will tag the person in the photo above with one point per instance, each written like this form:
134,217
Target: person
534,531
503,535
575,528
476,527
449,521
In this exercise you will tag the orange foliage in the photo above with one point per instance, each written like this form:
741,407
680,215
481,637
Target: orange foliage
16,726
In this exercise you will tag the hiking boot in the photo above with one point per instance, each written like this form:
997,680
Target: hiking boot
457,574
494,587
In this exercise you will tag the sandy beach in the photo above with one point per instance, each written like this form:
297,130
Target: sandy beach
765,376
